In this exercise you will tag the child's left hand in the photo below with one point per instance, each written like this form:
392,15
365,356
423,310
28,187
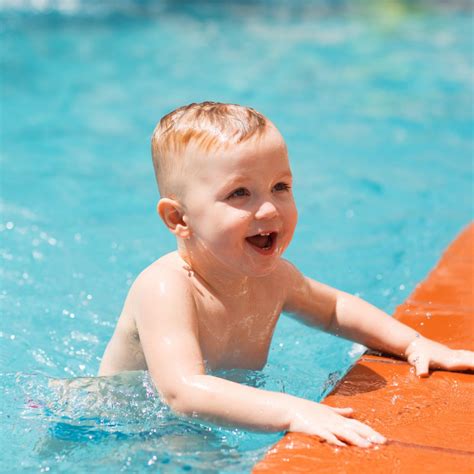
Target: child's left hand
424,353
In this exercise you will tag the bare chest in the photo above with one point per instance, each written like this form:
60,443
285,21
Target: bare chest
236,334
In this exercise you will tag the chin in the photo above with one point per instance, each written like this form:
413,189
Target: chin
262,271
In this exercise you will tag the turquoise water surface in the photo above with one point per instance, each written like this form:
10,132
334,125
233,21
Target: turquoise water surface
375,101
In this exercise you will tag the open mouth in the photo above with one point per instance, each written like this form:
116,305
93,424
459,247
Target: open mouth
264,243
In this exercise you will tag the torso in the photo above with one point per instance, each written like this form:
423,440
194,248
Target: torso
237,333
233,332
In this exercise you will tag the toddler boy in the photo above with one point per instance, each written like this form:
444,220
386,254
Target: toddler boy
225,185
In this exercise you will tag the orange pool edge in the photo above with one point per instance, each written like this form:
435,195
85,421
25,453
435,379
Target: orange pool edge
429,422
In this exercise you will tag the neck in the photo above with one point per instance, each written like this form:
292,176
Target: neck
218,278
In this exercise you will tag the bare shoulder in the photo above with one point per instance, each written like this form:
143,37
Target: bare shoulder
288,275
283,281
169,266
159,305
166,320
305,296
166,279
294,284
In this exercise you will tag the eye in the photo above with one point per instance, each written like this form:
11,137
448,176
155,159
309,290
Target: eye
239,192
282,187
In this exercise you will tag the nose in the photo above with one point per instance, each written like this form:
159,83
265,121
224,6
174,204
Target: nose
267,210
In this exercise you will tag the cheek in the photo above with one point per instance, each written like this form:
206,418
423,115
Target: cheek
291,214
234,222
222,224
295,216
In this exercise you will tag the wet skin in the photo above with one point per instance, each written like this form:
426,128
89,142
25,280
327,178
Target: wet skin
215,302
232,273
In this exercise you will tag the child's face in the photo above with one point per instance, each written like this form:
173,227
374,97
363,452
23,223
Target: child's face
239,204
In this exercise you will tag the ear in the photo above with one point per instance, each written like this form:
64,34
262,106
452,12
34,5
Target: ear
172,214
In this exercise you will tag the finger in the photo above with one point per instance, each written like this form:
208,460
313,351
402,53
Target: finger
412,358
422,366
333,440
468,359
462,360
367,432
350,436
343,411
330,438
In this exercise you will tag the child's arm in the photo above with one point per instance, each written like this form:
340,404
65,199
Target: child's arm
352,318
167,326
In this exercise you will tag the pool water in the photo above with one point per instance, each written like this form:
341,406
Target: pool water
375,102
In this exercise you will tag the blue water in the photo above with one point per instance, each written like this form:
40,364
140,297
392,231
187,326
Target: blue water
375,102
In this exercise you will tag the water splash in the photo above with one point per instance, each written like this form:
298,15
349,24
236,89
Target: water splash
122,420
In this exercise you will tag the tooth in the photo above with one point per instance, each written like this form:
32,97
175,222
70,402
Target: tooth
265,234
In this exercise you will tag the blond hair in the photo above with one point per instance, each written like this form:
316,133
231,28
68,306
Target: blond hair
207,126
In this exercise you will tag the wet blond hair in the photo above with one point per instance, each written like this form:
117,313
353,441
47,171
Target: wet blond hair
207,126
